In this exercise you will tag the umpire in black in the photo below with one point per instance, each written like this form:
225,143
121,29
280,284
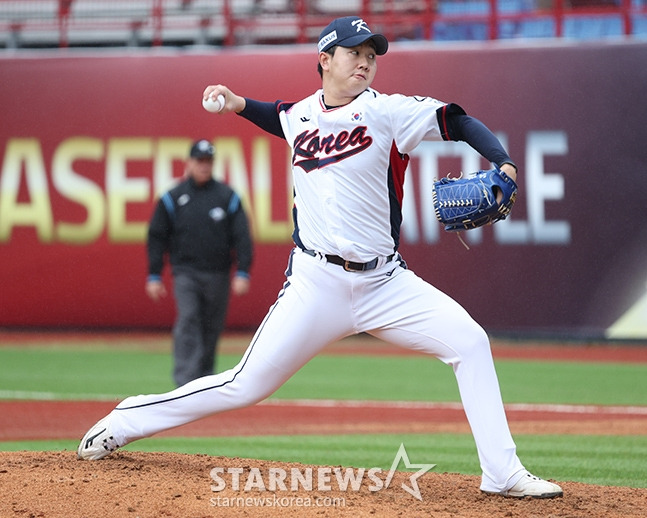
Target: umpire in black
203,228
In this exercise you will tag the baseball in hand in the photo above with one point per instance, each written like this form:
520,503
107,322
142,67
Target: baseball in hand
214,105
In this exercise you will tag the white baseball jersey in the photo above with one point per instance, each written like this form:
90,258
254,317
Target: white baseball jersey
348,194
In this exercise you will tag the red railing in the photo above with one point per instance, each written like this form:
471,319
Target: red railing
390,16
225,22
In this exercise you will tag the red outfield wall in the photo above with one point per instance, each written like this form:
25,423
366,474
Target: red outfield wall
88,140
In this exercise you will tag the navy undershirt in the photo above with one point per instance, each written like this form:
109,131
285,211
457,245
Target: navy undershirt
455,125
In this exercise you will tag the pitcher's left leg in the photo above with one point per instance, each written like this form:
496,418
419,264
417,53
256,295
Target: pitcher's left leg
420,317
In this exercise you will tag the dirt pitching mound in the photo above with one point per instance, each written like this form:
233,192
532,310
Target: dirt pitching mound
154,485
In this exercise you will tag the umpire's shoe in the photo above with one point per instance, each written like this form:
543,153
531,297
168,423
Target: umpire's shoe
531,486
98,442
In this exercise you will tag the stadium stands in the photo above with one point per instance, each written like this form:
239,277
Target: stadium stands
118,23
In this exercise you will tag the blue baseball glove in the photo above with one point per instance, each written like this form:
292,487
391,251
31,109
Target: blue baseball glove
464,203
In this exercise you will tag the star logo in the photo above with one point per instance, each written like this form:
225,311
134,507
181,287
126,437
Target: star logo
413,490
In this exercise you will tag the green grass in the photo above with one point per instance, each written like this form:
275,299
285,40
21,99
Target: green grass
110,370
603,460
83,373
105,373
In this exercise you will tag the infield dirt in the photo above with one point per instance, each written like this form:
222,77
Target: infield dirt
152,485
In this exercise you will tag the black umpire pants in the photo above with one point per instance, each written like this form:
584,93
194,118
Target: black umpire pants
201,300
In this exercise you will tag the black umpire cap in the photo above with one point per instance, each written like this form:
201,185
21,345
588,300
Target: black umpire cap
350,31
202,149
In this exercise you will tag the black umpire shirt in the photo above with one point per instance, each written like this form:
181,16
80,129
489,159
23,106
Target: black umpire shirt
201,228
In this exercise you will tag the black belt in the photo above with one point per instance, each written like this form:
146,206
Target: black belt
351,266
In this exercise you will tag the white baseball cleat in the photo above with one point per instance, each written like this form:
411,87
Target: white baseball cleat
98,442
531,486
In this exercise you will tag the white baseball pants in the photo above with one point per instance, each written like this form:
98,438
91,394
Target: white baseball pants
321,303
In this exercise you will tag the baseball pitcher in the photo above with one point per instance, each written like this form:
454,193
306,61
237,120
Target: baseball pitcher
345,275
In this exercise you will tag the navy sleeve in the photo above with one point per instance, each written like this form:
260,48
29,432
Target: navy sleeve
456,125
264,115
240,235
159,234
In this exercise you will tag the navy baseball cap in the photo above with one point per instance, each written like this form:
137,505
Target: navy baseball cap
202,149
350,31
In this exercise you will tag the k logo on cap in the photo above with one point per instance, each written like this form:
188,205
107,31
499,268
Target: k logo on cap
350,31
